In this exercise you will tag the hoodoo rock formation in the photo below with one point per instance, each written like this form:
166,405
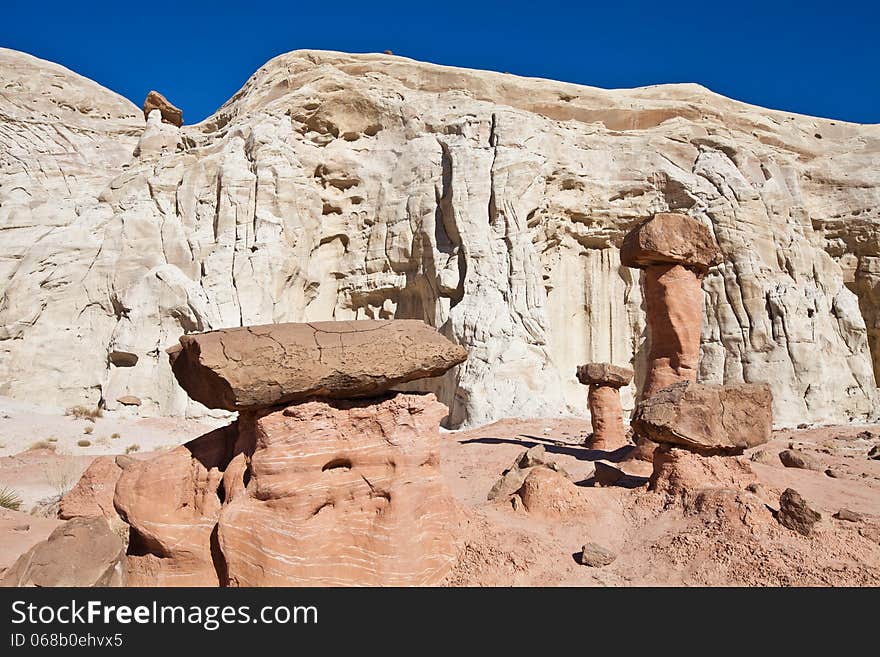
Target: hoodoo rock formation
675,251
170,114
606,413
321,491
492,207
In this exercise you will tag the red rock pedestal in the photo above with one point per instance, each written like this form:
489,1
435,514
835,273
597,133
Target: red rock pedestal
605,381
342,493
674,302
323,493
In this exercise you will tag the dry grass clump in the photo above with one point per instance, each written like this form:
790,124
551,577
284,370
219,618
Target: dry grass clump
61,475
84,413
44,444
132,448
84,443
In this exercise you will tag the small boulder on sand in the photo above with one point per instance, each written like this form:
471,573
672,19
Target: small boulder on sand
795,513
593,554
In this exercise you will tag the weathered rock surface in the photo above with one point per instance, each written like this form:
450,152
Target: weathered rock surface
604,374
795,458
344,187
848,516
512,478
19,532
320,493
172,505
551,494
707,418
603,400
93,493
795,513
670,238
593,554
81,552
674,316
681,475
170,114
261,366
606,414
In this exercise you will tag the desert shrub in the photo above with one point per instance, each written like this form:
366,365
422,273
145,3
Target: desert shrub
84,412
42,444
61,475
132,448
84,443
88,429
115,436
10,499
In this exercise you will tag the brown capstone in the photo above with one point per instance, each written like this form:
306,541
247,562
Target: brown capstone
170,114
256,367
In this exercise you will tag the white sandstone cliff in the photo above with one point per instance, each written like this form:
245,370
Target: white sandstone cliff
337,186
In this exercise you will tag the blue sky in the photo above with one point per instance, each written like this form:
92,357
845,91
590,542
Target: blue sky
808,57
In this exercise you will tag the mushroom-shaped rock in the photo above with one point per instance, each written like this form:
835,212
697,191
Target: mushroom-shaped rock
170,114
707,419
605,381
604,374
675,251
257,367
670,239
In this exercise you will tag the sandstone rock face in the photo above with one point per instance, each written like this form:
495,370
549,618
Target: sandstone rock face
492,207
81,552
606,415
707,418
261,366
93,493
320,493
170,114
675,319
342,493
172,505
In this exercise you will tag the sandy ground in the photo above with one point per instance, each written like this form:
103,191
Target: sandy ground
666,546
654,543
43,451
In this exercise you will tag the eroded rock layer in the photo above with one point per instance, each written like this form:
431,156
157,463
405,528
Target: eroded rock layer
322,493
340,187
